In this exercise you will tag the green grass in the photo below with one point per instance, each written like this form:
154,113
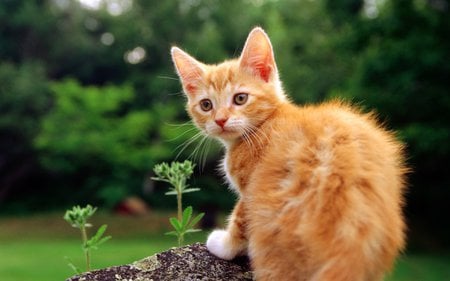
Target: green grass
44,260
425,267
34,248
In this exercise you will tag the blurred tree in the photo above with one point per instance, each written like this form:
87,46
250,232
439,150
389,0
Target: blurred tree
96,145
344,11
304,38
25,97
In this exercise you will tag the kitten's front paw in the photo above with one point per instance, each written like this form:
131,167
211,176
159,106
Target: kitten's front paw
219,244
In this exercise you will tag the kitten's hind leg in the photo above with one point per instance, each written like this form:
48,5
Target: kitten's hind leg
229,243
272,261
347,269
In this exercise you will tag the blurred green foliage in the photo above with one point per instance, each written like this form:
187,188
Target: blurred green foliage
90,101
90,130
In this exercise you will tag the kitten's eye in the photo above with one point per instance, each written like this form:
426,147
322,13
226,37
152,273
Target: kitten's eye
240,98
206,105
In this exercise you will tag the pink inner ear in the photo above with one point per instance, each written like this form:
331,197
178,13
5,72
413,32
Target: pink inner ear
189,70
264,70
191,79
190,88
257,55
260,66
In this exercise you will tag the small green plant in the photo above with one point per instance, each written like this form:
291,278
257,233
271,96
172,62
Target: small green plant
177,175
78,217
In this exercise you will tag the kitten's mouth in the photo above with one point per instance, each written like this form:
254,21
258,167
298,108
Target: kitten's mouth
227,133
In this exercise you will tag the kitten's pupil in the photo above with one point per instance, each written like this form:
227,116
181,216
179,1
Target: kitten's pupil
206,104
240,98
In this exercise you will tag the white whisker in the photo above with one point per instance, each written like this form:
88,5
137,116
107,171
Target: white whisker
179,93
167,77
187,143
177,126
183,134
201,143
254,137
196,153
187,123
204,153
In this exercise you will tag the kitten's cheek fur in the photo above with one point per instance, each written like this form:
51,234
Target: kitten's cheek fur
219,244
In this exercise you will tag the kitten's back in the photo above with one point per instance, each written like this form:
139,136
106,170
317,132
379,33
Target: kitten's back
329,187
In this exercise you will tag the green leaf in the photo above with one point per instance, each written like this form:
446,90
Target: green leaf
176,224
194,189
97,239
195,220
172,192
101,230
159,179
103,240
94,244
94,239
187,213
193,230
174,233
76,269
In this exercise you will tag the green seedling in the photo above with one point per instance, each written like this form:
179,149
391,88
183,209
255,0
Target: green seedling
177,175
78,217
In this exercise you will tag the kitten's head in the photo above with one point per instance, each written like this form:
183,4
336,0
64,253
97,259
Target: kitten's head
235,97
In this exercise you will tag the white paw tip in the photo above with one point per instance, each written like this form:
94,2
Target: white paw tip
218,244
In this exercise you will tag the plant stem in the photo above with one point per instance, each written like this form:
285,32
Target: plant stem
86,250
180,240
180,207
180,214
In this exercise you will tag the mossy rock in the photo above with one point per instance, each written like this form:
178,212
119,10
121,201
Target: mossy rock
187,263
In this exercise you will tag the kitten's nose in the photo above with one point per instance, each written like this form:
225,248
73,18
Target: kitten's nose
221,122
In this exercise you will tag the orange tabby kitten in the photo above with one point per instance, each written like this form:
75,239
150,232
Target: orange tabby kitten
320,187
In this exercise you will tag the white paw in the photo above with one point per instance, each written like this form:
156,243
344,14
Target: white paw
219,244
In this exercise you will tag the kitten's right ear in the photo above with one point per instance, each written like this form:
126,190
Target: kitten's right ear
189,70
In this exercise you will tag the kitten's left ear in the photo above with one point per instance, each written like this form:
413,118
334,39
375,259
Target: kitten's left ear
257,55
189,70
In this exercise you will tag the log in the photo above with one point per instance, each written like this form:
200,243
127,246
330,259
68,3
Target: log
188,263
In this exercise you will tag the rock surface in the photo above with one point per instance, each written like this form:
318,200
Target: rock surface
187,263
